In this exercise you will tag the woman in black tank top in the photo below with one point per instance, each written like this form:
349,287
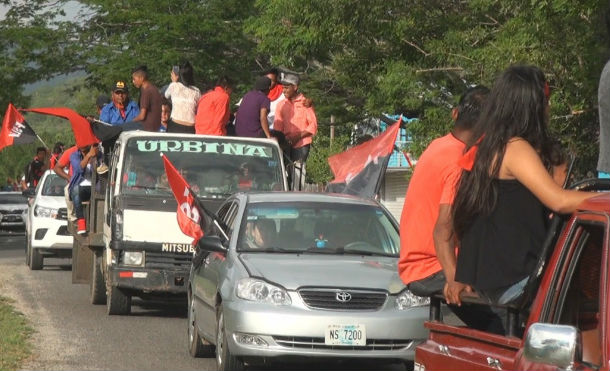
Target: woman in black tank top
501,207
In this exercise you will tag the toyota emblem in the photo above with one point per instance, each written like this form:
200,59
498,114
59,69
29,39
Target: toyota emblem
343,296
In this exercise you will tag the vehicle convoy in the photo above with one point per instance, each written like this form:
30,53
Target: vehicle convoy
561,320
134,246
46,232
13,209
302,275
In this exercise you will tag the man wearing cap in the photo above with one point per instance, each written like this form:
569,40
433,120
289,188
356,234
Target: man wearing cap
298,123
121,109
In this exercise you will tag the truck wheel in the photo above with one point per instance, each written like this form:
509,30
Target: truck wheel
36,259
409,365
117,302
98,285
225,361
197,348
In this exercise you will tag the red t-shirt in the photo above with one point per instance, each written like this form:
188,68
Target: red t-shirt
213,113
432,184
64,160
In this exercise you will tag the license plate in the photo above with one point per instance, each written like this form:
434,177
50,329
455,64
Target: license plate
348,335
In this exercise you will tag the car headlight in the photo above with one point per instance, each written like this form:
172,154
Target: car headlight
133,258
45,212
258,290
406,299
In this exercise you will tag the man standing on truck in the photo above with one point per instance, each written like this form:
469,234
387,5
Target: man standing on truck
427,247
121,109
150,100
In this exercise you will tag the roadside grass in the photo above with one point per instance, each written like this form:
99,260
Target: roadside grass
14,334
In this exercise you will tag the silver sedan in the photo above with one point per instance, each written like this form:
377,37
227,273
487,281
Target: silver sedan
302,274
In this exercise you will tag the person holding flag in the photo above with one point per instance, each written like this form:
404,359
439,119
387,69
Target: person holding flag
80,183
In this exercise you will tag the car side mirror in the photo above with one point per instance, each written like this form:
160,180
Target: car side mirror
29,193
212,243
554,345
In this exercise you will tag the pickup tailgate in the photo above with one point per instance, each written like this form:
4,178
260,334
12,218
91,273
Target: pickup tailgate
460,348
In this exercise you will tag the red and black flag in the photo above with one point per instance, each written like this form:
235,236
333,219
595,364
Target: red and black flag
359,170
15,130
83,135
193,218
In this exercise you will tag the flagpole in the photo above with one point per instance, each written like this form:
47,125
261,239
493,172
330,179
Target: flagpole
43,143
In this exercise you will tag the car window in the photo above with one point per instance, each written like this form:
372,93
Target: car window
54,185
318,228
13,198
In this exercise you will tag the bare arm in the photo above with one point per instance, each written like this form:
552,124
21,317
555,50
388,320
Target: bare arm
522,162
92,153
444,246
141,116
264,122
61,172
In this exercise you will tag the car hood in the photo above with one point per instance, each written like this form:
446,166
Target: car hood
293,271
54,202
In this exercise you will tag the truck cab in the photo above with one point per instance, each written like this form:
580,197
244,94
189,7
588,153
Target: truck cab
134,246
562,319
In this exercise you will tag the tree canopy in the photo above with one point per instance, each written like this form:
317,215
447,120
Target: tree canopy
358,59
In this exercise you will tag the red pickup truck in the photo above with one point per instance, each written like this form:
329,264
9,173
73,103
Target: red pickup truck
562,321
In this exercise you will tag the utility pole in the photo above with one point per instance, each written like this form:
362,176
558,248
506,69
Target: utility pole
332,129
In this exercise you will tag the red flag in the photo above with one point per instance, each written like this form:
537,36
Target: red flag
83,135
188,214
346,165
15,130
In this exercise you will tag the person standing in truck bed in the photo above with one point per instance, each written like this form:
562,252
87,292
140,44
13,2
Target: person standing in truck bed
500,211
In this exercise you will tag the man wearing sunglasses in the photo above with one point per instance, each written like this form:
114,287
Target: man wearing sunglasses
121,109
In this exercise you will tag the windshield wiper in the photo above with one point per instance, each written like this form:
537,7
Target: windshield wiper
369,253
342,250
269,249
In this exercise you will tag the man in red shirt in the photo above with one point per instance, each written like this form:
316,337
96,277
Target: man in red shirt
60,169
298,123
427,247
213,109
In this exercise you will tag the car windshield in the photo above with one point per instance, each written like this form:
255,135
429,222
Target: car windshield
12,198
54,185
318,228
214,167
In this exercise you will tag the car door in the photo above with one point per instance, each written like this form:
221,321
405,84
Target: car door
580,298
207,277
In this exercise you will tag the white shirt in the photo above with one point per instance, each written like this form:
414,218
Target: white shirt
184,101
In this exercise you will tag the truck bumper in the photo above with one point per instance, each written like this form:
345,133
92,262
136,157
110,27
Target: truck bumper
149,281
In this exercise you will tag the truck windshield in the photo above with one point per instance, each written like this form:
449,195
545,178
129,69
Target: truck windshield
214,167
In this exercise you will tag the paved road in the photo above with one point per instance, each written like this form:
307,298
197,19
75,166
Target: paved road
153,337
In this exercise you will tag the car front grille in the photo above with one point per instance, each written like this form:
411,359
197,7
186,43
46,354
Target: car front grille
165,260
343,299
12,212
62,213
318,343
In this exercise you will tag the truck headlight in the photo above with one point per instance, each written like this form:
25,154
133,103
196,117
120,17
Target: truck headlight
133,258
258,290
406,299
45,212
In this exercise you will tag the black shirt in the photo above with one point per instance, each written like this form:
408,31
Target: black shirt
502,248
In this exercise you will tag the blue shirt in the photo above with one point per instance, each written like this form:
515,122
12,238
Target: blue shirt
110,113
78,173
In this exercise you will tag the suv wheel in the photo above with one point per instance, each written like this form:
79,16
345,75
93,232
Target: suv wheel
225,361
197,346
98,284
27,249
36,259
117,302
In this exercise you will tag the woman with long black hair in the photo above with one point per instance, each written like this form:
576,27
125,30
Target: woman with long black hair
184,96
514,169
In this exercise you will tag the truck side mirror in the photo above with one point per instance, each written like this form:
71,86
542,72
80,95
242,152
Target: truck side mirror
212,243
29,193
554,345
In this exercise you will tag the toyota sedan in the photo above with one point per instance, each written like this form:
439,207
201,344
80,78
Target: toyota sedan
302,275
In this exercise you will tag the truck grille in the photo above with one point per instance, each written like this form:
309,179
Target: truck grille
343,299
62,214
165,260
11,212
318,343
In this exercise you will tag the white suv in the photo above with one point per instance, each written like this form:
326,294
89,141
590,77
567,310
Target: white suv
46,224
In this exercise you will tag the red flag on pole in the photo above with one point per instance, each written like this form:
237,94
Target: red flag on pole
188,214
83,135
359,170
15,130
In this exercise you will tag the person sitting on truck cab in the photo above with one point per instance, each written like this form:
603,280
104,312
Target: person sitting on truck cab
499,212
80,183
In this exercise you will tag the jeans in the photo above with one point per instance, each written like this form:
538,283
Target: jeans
480,317
78,195
298,156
